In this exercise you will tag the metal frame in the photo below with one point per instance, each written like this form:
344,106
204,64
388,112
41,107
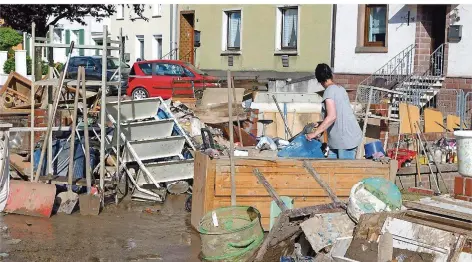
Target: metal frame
48,42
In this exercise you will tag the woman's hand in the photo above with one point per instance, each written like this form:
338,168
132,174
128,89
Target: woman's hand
312,136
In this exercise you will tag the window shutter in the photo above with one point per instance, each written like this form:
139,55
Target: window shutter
67,41
27,45
81,40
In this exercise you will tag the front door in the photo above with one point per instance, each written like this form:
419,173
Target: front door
186,39
438,37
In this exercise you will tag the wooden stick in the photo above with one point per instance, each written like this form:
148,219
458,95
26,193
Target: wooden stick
322,183
237,115
72,135
88,175
270,190
415,142
231,140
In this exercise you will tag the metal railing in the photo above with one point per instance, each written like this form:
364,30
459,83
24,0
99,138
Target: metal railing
437,62
188,56
389,75
171,55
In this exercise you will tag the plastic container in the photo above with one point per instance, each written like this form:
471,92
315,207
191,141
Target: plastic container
371,148
464,152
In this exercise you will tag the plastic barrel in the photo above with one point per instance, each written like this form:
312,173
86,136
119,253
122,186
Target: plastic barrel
464,152
374,147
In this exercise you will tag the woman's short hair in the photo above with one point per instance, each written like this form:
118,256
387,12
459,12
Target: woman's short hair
323,73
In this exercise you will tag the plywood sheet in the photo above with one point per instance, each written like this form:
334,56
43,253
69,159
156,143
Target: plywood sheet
453,122
405,120
433,119
295,121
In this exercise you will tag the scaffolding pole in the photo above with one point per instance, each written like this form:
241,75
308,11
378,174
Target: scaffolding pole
33,79
103,110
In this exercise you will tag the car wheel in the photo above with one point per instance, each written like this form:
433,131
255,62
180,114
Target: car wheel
108,91
198,94
139,93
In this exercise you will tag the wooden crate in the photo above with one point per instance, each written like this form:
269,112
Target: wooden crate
212,184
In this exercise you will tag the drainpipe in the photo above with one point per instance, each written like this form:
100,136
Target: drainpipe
175,21
333,34
171,31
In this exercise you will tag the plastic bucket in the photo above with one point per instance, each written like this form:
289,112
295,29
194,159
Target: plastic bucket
464,152
230,233
371,148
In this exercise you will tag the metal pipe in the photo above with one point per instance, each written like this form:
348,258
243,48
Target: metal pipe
118,130
32,40
171,31
103,109
50,102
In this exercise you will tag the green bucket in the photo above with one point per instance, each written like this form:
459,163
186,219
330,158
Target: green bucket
238,235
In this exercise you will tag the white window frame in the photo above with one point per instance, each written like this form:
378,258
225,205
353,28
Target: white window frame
224,33
120,12
155,51
278,30
157,10
140,38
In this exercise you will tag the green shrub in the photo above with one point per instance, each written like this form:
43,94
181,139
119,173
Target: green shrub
9,65
9,38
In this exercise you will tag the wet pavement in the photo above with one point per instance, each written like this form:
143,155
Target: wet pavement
131,231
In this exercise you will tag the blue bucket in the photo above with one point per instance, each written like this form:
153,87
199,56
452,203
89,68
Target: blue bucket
371,148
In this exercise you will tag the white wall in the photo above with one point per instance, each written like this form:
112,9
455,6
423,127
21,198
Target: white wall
460,55
92,29
157,25
400,36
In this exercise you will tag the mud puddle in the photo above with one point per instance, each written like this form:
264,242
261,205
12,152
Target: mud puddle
131,231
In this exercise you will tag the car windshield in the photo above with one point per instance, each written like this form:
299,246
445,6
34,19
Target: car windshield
112,63
200,72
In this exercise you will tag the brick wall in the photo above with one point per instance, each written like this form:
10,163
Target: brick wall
463,188
458,83
407,181
423,38
350,82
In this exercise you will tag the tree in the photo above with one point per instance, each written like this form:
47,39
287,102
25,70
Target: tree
20,17
9,38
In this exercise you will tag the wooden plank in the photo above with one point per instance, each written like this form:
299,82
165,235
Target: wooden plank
273,194
405,117
321,182
433,119
439,210
453,122
201,191
441,222
16,161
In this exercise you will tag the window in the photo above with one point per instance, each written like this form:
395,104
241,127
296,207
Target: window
188,73
146,68
157,47
156,10
120,12
140,47
375,30
164,69
289,28
233,30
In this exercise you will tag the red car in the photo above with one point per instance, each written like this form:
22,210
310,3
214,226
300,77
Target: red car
167,78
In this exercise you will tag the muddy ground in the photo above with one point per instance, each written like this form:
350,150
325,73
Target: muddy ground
131,231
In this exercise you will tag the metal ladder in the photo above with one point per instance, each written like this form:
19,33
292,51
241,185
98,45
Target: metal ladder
154,140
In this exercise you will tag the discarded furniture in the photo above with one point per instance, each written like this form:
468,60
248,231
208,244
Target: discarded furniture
150,133
212,188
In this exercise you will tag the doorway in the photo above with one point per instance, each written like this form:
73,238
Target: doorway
438,25
186,38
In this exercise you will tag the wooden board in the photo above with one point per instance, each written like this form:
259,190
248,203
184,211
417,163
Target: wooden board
212,187
453,122
431,119
405,120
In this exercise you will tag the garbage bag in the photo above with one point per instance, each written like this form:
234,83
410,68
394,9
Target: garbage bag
302,148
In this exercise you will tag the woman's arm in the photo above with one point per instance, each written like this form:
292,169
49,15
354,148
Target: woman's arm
327,122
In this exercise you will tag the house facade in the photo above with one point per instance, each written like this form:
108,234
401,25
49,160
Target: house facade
147,40
367,37
256,40
66,31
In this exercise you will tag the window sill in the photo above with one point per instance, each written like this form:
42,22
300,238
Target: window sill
121,18
286,52
231,52
156,16
371,49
